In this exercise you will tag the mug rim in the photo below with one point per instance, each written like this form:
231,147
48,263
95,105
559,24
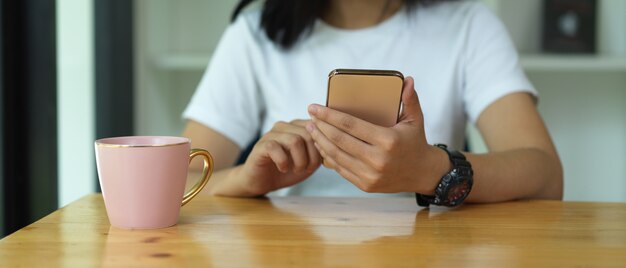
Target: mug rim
108,142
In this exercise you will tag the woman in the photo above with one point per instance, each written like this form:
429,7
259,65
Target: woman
271,67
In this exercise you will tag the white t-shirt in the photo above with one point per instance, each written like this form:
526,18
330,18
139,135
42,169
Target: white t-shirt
459,54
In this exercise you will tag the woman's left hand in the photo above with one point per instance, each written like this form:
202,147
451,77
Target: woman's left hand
380,159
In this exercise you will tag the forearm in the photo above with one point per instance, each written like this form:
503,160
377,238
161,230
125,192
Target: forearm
229,182
527,173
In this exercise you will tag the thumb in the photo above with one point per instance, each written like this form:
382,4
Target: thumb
411,108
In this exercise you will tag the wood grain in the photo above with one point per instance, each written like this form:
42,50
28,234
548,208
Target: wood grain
334,232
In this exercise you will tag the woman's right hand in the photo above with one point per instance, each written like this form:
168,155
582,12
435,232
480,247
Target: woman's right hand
283,157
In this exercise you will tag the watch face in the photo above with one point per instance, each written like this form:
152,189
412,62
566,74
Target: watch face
458,192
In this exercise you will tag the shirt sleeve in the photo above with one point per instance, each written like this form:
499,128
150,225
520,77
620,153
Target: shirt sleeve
228,99
491,68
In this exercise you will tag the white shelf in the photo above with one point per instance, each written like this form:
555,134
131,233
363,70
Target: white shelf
182,62
564,63
531,63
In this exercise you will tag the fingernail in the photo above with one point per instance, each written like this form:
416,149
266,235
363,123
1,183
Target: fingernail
310,127
313,109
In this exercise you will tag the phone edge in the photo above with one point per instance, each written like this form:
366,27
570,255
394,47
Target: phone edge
366,72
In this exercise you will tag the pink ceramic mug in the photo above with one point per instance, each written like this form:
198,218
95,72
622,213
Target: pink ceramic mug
143,179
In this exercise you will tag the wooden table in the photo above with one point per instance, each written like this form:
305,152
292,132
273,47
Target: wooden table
338,232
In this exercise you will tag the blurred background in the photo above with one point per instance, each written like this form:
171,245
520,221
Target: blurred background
75,70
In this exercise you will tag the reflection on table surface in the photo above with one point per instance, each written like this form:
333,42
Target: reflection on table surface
380,232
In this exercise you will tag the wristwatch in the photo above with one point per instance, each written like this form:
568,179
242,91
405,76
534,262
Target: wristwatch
453,187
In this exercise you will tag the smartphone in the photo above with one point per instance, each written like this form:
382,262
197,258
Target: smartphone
371,95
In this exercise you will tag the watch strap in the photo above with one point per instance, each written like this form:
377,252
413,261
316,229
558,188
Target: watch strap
456,157
423,200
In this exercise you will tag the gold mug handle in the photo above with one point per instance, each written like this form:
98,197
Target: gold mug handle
207,170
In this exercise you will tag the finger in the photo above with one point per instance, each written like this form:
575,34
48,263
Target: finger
315,159
411,110
298,127
349,144
354,126
278,155
295,145
331,151
300,122
345,173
